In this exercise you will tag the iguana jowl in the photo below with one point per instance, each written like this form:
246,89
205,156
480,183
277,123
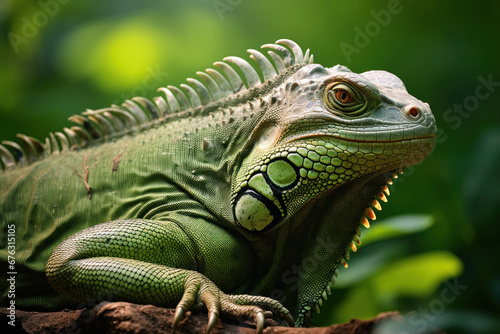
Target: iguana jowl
254,183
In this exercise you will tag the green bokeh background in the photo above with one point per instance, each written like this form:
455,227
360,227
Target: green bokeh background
434,250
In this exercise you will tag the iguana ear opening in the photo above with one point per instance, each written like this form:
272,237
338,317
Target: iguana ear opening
269,137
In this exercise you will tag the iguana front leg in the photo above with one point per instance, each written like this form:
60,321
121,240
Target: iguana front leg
165,263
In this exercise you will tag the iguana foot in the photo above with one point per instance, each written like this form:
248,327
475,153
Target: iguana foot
200,293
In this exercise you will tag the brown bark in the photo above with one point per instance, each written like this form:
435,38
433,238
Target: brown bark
121,317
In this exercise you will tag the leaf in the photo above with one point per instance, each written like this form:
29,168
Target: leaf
417,276
367,262
360,304
397,226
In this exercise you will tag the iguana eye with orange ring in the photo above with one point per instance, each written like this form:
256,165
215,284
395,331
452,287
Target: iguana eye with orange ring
341,97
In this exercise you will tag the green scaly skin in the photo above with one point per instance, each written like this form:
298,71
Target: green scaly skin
216,198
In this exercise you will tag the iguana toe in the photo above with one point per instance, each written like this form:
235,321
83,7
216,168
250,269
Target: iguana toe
200,292
256,307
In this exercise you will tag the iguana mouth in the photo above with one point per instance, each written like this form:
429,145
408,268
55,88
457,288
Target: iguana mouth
371,141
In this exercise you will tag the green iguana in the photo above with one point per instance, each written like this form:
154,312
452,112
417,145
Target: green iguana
250,182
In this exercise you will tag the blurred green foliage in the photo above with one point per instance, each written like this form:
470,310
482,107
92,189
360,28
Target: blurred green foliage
59,57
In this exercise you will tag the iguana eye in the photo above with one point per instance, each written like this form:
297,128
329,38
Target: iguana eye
345,98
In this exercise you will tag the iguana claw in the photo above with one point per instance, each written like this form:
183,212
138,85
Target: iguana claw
212,321
259,319
179,314
201,292
289,320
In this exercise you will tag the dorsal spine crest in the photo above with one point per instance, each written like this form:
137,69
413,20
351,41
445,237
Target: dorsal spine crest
216,86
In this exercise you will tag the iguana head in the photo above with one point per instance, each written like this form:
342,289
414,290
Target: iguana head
327,127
